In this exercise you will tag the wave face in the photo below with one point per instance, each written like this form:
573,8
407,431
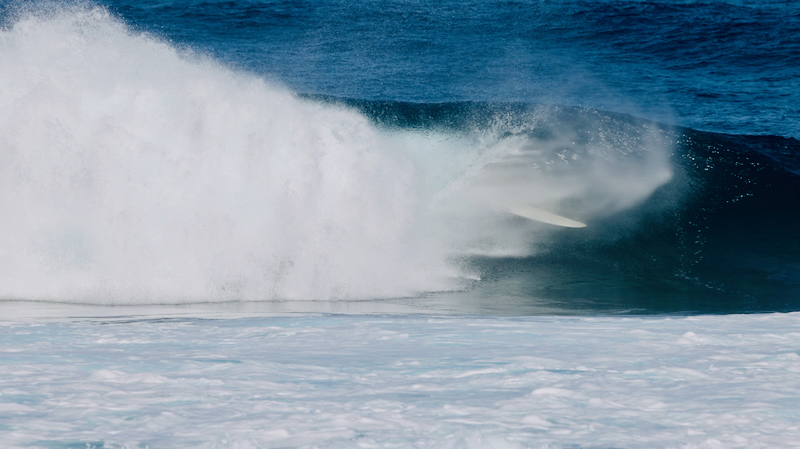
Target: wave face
720,235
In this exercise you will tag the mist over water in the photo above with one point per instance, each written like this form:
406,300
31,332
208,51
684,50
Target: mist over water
132,172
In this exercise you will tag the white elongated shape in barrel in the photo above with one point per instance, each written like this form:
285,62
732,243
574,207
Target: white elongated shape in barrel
535,214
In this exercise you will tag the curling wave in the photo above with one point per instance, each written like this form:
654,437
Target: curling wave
132,172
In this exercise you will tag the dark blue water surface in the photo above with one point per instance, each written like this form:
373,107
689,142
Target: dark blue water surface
729,66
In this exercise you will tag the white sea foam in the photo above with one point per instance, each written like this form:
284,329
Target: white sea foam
366,381
131,172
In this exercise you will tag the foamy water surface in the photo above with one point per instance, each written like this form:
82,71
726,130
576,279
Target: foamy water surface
401,381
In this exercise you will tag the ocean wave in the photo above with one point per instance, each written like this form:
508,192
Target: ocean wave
134,172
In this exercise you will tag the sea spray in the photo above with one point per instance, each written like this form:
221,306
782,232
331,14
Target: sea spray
131,172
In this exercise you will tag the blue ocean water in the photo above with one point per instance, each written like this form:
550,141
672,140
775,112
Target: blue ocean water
723,66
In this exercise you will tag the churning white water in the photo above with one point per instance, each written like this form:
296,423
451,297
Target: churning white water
131,172
332,381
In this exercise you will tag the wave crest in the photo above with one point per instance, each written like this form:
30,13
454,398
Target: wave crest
131,172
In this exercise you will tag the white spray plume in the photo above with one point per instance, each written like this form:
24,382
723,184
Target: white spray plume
132,173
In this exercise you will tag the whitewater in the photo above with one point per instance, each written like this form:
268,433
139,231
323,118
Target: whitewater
401,381
287,224
136,173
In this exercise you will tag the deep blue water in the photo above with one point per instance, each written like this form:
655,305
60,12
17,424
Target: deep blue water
718,81
725,66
